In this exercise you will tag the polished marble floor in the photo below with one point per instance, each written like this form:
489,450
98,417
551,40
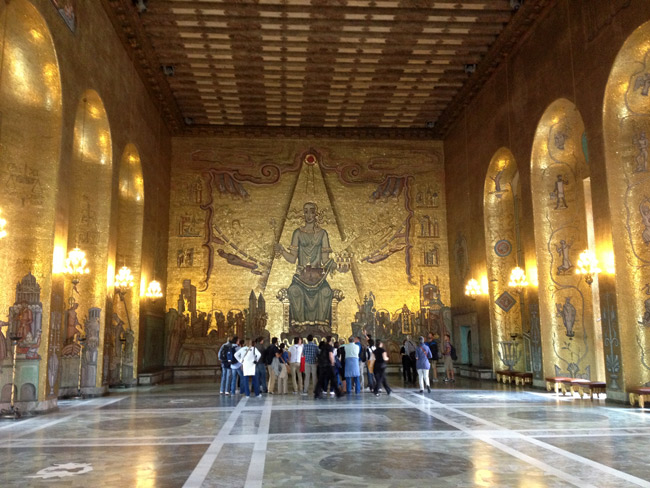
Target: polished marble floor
465,434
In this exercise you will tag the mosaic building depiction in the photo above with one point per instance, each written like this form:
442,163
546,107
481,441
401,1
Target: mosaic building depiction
177,173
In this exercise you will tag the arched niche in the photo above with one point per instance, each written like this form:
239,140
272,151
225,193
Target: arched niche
90,190
559,175
626,125
30,145
128,253
500,209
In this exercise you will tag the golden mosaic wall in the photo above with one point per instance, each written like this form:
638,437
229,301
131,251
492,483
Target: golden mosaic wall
558,168
60,146
231,200
627,126
501,241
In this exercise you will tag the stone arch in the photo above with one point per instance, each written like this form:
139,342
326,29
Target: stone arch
626,127
559,168
130,213
502,243
90,190
30,97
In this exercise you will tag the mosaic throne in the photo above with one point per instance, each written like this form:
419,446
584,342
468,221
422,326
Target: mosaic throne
291,330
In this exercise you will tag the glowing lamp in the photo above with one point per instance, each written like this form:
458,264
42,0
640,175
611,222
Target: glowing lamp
472,289
518,279
154,290
588,266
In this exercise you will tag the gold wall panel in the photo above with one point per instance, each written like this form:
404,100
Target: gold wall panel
31,119
129,253
558,168
626,120
90,186
231,200
501,248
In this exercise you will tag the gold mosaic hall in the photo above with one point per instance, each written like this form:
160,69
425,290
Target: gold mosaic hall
463,186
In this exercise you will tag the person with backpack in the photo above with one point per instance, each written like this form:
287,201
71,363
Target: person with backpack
449,356
362,361
225,367
235,368
422,356
435,355
370,364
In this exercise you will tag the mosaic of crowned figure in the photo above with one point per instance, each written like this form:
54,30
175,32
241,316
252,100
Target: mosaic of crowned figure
310,295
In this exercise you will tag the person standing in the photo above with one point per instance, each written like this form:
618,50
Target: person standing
435,355
225,367
326,378
362,361
370,363
295,354
248,356
260,367
310,351
422,356
381,363
406,364
409,347
449,362
269,356
352,366
279,368
235,368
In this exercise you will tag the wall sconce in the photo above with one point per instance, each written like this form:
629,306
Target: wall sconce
3,222
75,266
518,279
472,289
588,266
154,290
123,281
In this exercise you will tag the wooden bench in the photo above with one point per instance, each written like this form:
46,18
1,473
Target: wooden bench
556,382
639,395
505,376
573,385
596,387
523,378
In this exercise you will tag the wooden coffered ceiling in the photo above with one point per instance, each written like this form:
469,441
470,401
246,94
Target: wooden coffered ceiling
402,68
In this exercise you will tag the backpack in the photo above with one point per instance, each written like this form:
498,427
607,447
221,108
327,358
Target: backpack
223,355
363,354
435,353
452,353
231,356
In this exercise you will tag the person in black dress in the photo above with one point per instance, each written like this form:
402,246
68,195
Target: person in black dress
381,362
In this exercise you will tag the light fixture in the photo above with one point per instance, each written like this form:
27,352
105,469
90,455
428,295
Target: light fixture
588,266
518,279
153,290
3,222
472,289
123,281
75,266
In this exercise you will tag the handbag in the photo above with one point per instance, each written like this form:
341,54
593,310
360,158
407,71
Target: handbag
302,364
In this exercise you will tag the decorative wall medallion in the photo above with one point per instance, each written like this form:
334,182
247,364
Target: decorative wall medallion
502,248
506,301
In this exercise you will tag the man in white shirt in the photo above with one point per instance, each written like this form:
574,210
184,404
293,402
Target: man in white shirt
295,353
